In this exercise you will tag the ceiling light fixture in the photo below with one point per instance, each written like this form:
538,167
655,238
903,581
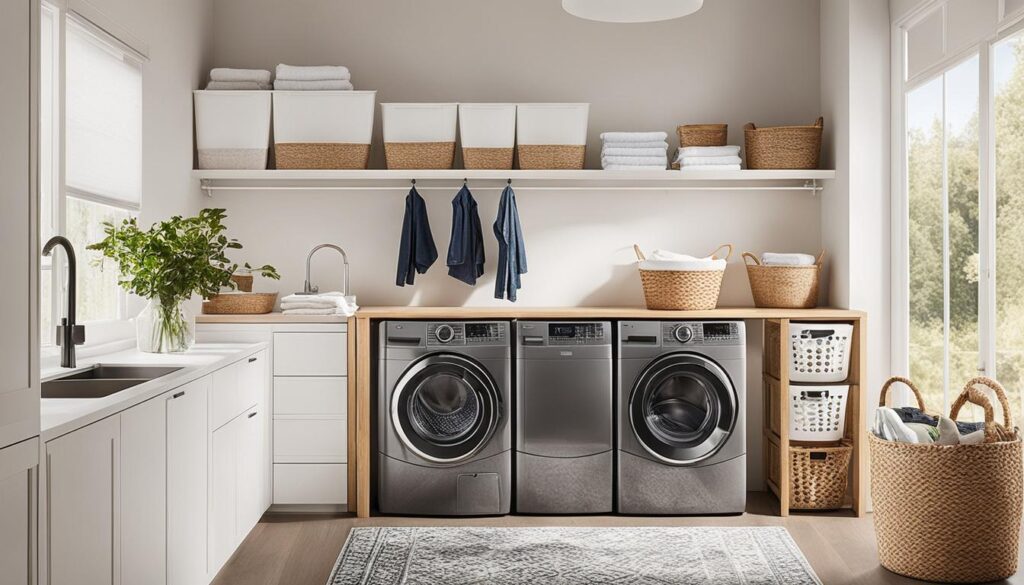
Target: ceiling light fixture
631,10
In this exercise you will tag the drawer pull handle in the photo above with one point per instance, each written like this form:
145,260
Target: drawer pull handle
641,339
252,359
252,414
410,340
178,395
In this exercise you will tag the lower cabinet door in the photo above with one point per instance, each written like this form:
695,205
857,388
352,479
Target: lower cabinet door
143,493
18,472
251,473
223,493
187,467
82,507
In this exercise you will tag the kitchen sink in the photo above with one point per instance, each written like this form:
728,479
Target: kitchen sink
102,380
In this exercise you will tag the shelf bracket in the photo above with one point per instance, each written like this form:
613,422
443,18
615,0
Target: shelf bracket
812,185
207,188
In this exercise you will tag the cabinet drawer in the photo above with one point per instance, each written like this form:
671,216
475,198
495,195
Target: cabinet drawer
310,440
310,354
252,379
311,484
324,396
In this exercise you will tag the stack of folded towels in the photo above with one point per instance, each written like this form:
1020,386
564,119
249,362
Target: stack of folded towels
321,77
332,303
911,425
779,259
665,260
709,158
224,78
630,151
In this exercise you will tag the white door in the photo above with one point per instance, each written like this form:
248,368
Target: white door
187,447
251,466
223,493
144,493
82,507
18,472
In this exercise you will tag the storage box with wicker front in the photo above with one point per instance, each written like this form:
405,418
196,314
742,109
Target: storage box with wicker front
419,136
682,290
783,147
950,513
818,476
551,136
323,129
783,287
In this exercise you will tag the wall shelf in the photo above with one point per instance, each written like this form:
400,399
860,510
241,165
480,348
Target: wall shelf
213,181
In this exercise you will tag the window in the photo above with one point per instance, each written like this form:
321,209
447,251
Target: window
97,142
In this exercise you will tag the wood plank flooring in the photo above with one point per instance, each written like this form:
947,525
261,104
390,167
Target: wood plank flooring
300,549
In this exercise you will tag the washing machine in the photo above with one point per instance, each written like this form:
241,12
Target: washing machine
444,437
681,392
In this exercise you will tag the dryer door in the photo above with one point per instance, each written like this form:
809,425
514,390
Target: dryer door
445,407
683,408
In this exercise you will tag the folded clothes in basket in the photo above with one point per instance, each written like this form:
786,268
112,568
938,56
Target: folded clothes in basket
910,425
665,260
781,259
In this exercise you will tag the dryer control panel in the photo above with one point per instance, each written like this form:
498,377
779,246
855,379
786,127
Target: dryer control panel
467,333
701,333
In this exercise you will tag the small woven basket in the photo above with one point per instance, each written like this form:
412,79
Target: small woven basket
783,287
950,513
783,147
240,304
817,476
419,155
682,290
703,135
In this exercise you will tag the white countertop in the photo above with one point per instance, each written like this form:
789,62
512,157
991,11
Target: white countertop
60,416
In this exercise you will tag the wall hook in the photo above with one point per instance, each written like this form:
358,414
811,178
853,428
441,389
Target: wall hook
510,182
414,182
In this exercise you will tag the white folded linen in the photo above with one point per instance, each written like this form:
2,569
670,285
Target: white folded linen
627,151
787,259
633,167
696,161
660,144
670,256
312,73
322,85
331,303
890,427
632,137
237,85
634,161
227,74
702,168
339,312
708,151
699,265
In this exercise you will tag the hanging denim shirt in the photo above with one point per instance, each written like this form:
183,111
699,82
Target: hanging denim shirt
416,252
511,250
466,248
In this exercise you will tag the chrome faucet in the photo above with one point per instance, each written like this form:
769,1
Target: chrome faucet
312,289
69,334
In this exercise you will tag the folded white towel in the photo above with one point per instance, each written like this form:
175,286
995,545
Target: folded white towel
697,265
634,167
631,137
670,256
226,74
785,259
237,85
702,168
660,144
634,161
312,73
697,161
625,151
709,151
324,85
331,303
338,311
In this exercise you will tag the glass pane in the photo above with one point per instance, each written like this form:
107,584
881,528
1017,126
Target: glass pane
680,409
1009,128
924,188
445,408
99,296
962,162
104,118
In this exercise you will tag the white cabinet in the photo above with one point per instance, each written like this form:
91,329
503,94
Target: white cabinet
18,473
144,493
82,484
310,354
237,494
252,493
187,451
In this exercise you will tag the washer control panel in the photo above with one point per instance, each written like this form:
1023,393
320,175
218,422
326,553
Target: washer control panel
700,333
463,333
577,334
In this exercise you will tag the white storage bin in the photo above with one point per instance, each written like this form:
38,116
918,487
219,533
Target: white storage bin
819,352
817,413
419,136
323,129
551,136
232,129
488,133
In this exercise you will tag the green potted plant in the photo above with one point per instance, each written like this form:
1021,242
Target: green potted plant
167,264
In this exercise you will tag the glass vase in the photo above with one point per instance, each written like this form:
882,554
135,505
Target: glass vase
165,327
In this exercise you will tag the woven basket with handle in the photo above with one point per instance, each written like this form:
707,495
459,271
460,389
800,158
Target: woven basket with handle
817,476
682,290
950,513
783,287
783,147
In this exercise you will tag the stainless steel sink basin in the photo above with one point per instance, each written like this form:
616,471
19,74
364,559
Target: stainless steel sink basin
102,380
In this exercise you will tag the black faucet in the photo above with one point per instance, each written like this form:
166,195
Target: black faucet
68,333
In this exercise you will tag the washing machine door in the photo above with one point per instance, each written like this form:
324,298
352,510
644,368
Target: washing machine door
445,407
683,408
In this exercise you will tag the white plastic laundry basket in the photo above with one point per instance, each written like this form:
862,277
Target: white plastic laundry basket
817,413
323,129
819,352
419,136
551,136
488,133
232,129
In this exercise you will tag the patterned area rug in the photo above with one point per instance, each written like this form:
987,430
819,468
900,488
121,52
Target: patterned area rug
455,556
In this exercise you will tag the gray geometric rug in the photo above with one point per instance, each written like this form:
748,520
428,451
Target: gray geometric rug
670,555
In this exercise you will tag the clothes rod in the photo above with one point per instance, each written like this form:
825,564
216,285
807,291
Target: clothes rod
211,188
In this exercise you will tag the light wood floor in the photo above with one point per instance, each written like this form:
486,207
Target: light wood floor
298,549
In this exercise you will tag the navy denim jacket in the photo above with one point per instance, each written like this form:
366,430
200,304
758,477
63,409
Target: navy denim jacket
417,252
511,250
466,248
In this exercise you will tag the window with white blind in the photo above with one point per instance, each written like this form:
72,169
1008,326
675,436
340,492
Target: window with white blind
91,164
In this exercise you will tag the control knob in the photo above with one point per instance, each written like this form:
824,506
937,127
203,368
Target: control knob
682,333
444,333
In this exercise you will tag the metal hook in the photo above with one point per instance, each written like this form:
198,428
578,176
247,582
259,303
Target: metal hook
464,181
510,182
414,182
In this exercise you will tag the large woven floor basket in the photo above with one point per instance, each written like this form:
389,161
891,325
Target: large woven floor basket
949,513
783,287
682,290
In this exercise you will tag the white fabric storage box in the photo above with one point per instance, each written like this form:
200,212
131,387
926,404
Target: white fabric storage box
819,352
817,413
323,129
419,136
232,129
551,136
488,133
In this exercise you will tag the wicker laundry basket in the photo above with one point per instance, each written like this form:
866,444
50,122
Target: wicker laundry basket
950,513
682,290
703,135
783,147
783,287
240,303
818,476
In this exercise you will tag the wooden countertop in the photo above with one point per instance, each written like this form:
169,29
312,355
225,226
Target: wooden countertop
600,313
